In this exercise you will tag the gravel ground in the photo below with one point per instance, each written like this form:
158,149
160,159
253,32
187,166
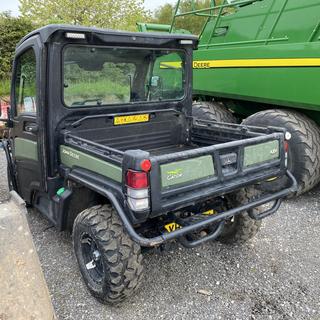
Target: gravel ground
275,276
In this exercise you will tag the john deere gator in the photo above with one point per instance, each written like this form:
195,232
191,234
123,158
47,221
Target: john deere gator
104,148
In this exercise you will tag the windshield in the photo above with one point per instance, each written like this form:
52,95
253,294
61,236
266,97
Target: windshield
97,76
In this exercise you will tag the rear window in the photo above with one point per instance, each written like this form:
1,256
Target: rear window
97,76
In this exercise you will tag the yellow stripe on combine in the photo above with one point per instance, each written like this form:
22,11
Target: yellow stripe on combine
168,65
247,63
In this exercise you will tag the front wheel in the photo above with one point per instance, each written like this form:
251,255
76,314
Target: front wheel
109,261
240,228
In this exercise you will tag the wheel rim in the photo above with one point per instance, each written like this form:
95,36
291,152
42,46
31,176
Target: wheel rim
229,226
92,258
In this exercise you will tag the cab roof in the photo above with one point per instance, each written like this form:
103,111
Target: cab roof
48,32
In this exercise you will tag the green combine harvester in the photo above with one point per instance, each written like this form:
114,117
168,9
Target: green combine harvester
259,60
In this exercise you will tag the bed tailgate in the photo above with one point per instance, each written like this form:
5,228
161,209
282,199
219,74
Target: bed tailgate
183,178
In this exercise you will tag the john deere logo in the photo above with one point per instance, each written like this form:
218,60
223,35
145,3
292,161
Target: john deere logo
71,154
174,174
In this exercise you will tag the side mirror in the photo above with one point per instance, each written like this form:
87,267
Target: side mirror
29,104
155,81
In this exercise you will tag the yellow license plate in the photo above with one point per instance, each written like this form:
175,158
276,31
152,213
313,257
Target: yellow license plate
172,226
131,119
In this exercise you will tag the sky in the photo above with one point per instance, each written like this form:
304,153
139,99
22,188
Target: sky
13,5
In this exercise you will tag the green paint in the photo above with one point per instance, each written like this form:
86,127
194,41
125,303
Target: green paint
25,149
184,171
73,158
260,153
268,29
248,28
61,191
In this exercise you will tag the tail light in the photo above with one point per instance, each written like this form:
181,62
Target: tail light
137,179
137,184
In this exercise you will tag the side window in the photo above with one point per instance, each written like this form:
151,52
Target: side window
25,83
167,78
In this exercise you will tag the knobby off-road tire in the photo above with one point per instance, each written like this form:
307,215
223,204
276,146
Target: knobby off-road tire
212,111
118,267
304,147
241,227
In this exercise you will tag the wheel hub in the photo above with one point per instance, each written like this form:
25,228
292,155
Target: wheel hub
92,257
96,255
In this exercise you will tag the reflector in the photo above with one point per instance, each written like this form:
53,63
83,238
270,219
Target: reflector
145,165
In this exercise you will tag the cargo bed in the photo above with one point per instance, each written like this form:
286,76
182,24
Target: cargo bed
213,161
216,158
163,134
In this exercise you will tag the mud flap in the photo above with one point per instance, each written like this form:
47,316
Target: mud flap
24,292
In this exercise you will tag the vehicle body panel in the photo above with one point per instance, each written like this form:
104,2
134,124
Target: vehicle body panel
74,158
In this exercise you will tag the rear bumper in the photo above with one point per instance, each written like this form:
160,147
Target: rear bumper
179,233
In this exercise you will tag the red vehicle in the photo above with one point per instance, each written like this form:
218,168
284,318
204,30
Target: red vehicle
4,105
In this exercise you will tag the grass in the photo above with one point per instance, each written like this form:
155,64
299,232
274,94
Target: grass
107,91
4,88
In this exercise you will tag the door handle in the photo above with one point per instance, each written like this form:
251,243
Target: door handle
32,128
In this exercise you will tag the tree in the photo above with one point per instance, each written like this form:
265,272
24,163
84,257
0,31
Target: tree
115,14
12,29
163,15
192,23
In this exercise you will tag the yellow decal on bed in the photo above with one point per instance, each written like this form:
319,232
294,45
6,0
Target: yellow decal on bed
172,226
209,212
136,118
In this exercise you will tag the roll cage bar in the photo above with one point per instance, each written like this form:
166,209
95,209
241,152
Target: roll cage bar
214,11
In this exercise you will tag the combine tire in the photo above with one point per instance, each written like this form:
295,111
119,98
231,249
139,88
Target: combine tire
110,262
240,228
212,111
304,147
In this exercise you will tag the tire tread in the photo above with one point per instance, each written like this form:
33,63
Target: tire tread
309,141
121,255
213,111
246,227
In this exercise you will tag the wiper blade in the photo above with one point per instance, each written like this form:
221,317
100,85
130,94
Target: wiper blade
81,103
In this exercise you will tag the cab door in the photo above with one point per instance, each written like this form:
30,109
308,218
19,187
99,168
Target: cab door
24,133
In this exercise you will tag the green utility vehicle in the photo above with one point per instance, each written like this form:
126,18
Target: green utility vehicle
103,146
261,58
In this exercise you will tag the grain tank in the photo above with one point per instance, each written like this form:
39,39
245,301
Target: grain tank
260,61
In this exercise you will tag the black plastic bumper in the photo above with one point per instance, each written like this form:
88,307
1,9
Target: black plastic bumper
180,233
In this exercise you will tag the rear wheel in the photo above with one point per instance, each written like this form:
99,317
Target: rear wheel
304,147
240,228
109,261
212,111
